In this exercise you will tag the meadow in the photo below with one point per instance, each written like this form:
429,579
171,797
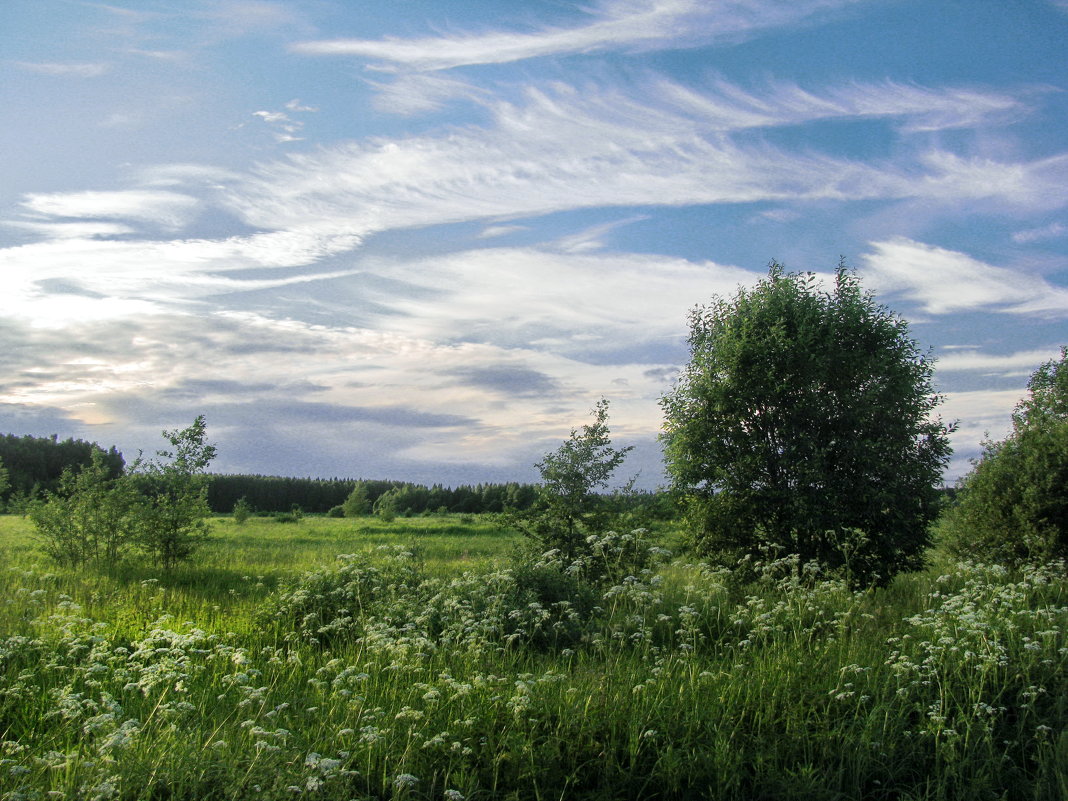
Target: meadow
429,658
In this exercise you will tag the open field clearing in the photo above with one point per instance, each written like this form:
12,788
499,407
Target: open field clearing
270,668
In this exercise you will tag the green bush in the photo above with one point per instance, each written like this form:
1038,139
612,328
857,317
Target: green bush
1013,507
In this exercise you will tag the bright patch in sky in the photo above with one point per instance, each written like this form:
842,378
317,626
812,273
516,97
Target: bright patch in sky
419,240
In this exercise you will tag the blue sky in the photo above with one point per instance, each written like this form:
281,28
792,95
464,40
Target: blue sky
420,239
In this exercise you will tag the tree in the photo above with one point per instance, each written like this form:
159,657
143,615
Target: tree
568,505
1013,507
357,503
802,424
174,520
92,516
242,510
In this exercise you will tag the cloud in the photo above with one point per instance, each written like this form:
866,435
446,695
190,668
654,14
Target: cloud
946,281
613,25
64,69
418,94
568,149
168,209
508,379
1021,363
574,304
1054,230
921,109
285,128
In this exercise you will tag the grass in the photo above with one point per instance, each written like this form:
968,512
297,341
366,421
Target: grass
270,669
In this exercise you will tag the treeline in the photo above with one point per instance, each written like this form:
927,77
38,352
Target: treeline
34,464
273,494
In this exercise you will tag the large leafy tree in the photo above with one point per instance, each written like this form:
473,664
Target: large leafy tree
802,424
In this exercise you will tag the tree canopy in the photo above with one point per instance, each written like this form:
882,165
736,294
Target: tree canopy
803,424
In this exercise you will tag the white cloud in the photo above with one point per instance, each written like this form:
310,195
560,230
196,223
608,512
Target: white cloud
1054,230
153,276
64,69
563,303
169,209
419,93
568,149
728,106
1021,363
72,230
946,281
614,25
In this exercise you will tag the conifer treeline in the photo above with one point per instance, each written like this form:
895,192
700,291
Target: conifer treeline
34,464
318,496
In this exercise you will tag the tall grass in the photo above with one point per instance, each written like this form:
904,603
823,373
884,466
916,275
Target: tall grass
271,669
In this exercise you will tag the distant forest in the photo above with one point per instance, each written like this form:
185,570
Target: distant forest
318,496
34,465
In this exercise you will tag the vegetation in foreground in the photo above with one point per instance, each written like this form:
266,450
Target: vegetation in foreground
487,675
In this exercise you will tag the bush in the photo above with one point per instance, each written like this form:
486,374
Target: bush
1013,507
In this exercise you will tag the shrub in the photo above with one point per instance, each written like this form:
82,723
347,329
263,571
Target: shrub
1013,507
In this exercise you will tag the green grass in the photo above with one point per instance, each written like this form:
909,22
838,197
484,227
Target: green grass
382,676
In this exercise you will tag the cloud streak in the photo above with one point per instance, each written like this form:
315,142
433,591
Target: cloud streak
614,25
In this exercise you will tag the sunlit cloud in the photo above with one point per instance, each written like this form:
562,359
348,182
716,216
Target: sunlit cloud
945,281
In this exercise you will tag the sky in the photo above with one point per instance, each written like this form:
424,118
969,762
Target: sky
420,239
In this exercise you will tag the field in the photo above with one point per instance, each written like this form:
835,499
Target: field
433,662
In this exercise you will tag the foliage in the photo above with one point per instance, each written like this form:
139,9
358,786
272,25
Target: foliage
1047,398
317,496
802,421
36,464
91,518
173,518
358,503
1013,506
568,506
242,511
432,683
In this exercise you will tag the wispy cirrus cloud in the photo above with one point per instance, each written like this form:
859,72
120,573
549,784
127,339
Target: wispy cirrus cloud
65,69
1054,230
420,93
563,148
613,24
945,281
168,209
730,107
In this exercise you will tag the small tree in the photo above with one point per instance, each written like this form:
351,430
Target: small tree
386,505
242,511
1013,506
357,503
568,506
174,521
92,517
802,425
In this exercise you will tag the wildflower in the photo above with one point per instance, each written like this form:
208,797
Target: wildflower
453,795
404,781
